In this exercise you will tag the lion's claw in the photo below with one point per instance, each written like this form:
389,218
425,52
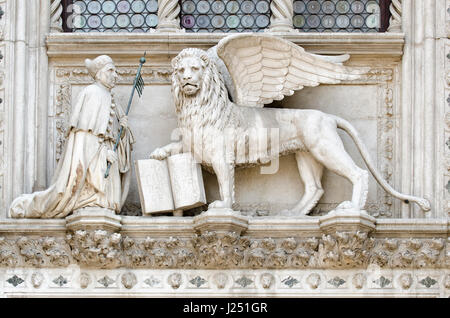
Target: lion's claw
218,204
159,154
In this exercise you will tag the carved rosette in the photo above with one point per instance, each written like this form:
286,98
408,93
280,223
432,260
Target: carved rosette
55,16
282,15
168,15
395,22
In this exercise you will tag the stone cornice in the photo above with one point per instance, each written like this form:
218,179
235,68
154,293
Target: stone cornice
257,227
164,46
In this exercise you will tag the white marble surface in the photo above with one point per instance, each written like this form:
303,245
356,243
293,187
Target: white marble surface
155,189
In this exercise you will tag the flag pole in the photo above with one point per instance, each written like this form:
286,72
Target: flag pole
139,85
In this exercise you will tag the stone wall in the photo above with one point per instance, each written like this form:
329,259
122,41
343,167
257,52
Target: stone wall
400,108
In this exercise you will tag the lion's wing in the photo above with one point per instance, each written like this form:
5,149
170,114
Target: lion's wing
265,68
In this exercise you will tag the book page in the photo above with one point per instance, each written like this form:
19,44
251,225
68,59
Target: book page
154,186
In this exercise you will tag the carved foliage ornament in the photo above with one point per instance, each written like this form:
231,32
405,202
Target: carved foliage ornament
341,250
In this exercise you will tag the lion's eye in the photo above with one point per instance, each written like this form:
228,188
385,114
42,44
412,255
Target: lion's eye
195,68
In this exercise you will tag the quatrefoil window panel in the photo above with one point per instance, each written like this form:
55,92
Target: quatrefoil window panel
337,15
221,15
112,15
225,16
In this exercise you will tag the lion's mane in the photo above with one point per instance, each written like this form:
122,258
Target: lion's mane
210,107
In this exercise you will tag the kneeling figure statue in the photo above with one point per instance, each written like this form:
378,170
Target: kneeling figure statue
79,180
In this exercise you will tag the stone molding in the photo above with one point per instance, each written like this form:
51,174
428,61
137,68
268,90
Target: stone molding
91,218
163,46
47,282
220,221
50,244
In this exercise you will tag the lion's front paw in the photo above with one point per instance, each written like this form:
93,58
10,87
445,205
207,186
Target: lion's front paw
159,154
346,205
218,204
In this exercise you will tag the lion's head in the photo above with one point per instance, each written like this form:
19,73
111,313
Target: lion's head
198,89
188,69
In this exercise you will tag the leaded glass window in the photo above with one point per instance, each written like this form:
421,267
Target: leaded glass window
225,16
113,15
337,15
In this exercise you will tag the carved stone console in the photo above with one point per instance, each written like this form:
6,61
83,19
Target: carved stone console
93,219
338,221
221,221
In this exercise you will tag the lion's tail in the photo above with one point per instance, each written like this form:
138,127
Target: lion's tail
347,127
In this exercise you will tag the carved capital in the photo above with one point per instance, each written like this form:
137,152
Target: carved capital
96,248
221,221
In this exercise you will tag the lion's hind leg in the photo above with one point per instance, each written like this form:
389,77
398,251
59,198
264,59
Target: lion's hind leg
330,152
311,174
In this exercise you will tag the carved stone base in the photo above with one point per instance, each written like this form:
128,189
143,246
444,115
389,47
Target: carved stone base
75,282
347,221
221,221
282,28
170,26
94,219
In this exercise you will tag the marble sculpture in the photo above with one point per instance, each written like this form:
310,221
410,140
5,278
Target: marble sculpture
79,180
254,70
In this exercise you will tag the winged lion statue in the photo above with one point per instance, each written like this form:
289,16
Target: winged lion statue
220,94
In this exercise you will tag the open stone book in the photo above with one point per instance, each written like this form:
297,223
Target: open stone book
175,183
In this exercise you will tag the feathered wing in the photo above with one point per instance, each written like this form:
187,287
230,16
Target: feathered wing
265,68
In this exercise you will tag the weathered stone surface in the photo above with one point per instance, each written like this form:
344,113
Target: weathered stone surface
220,250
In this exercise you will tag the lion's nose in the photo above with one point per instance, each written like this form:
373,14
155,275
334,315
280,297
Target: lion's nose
187,75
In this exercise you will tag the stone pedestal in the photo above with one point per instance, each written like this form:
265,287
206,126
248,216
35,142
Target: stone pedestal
347,221
221,221
94,219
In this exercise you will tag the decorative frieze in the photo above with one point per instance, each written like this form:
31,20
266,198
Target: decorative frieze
210,250
223,282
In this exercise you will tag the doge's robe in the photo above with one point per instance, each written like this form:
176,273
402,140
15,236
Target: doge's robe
79,179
